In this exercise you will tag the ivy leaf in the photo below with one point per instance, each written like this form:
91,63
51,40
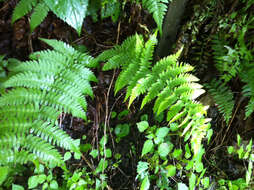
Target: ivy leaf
145,184
148,146
163,149
71,11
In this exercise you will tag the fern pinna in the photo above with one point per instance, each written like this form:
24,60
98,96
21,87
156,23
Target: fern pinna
168,82
38,91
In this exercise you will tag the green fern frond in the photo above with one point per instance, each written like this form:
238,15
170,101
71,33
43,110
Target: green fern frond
39,14
33,97
248,90
22,8
120,55
168,82
8,157
158,9
223,96
60,46
227,59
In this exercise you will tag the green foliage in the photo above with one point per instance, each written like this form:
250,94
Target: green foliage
71,11
158,9
168,81
23,8
223,96
33,97
233,56
174,90
39,14
245,152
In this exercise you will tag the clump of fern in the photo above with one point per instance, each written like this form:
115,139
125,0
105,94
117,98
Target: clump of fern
33,97
168,82
223,96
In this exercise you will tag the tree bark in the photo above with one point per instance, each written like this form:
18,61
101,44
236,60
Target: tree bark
171,24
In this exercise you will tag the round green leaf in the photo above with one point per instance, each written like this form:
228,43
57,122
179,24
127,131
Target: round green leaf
41,178
171,170
94,153
17,187
199,167
53,184
163,149
108,153
67,156
182,186
177,153
205,181
122,130
230,149
142,126
162,132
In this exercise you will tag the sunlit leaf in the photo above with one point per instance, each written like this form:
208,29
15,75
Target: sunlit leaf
71,11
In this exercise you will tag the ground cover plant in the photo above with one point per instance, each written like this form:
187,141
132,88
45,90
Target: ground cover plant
86,104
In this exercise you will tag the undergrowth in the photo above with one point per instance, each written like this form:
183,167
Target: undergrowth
175,135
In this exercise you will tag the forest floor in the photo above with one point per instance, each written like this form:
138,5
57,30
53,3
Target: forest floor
16,41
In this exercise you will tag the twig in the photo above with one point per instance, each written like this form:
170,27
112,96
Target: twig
118,32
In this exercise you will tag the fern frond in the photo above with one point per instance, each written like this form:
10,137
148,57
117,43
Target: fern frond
39,14
227,59
168,82
223,96
248,90
158,9
22,8
60,47
120,55
9,157
55,81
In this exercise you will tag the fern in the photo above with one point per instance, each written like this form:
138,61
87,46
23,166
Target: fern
223,96
168,82
22,8
158,9
227,59
39,14
248,89
54,81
